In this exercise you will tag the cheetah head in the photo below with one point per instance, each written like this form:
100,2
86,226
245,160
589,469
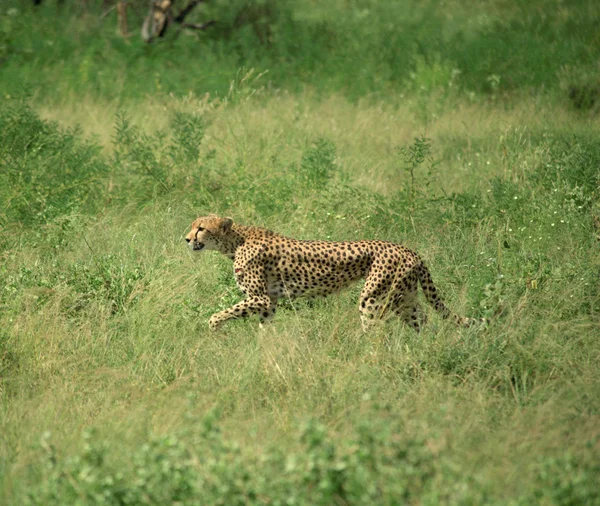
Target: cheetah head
209,233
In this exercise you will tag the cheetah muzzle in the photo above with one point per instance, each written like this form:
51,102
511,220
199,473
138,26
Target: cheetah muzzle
268,267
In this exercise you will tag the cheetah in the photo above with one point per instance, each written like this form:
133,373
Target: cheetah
268,266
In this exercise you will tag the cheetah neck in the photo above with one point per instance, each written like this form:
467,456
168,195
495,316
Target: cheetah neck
238,236
235,238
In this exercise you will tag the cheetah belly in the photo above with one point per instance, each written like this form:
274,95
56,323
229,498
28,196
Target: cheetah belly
314,277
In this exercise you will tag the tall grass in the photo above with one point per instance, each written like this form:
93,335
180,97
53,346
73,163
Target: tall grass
444,126
114,391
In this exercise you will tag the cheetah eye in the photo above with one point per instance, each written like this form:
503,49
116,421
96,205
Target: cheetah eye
200,229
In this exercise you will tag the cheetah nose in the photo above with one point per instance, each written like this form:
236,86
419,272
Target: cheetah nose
187,239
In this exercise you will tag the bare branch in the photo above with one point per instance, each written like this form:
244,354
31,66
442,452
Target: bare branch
109,10
197,26
161,15
186,10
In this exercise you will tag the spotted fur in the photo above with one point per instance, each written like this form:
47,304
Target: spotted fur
269,266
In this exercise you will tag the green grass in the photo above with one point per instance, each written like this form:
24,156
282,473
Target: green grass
114,391
112,388
361,48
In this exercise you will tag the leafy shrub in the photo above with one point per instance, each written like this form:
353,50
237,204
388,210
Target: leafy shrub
203,467
188,132
47,171
151,165
573,165
109,279
568,480
137,153
318,163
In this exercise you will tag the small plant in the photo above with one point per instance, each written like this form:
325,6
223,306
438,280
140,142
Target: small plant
420,167
137,152
568,480
324,472
318,163
108,279
188,132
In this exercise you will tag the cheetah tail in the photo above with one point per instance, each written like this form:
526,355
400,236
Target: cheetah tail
432,296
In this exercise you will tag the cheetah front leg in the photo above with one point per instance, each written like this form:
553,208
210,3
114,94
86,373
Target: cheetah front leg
253,283
253,305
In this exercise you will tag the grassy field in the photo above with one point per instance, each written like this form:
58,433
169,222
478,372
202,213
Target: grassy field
450,127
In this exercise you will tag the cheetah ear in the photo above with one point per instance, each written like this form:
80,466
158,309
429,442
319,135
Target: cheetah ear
226,224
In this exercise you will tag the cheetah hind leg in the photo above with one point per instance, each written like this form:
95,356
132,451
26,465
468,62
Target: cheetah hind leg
372,310
405,303
266,315
411,313
369,312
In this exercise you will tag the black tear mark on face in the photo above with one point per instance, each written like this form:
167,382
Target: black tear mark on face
197,245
